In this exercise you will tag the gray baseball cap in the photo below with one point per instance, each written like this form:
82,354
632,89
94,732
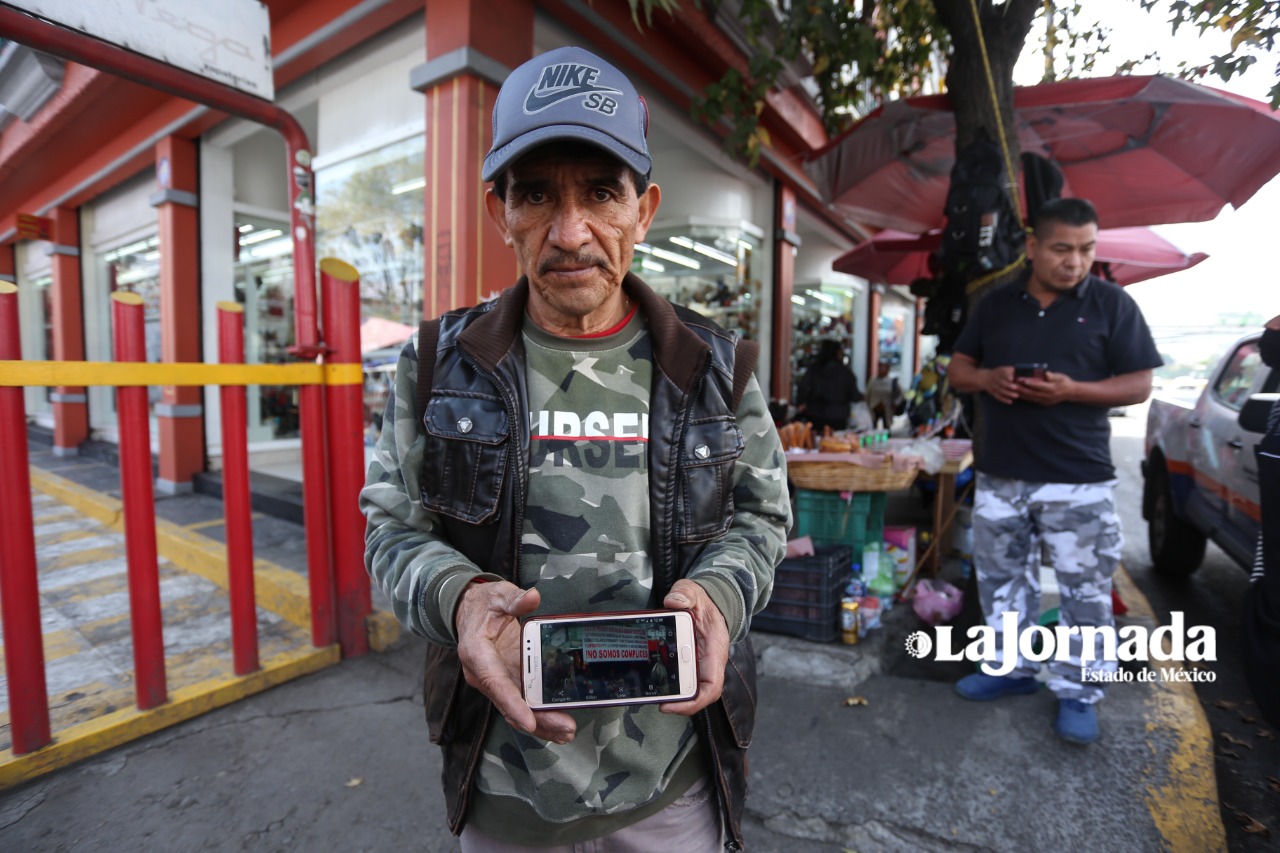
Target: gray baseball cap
571,94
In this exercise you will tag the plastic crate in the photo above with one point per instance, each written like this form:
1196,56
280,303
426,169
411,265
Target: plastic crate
830,519
806,595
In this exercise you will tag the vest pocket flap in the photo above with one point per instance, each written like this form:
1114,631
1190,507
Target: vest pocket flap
712,442
472,417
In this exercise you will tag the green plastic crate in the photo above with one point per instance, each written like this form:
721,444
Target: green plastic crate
830,519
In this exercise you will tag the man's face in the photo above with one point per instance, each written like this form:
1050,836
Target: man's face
1063,256
573,219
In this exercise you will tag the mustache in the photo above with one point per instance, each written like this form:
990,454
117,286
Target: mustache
560,259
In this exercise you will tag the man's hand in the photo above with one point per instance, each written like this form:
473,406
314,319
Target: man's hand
1055,388
489,651
1000,383
711,636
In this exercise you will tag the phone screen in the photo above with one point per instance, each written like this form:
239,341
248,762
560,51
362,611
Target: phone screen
624,658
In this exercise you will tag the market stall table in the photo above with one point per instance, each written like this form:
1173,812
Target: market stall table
959,457
840,500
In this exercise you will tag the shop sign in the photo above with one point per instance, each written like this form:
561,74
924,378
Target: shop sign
228,42
30,227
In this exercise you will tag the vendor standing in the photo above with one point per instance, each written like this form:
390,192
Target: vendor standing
1047,356
828,390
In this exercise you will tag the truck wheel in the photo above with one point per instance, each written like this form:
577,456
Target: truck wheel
1177,548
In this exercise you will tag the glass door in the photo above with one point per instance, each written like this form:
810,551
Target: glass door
264,286
131,268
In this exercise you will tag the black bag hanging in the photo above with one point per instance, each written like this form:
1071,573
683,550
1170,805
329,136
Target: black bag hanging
982,234
1042,181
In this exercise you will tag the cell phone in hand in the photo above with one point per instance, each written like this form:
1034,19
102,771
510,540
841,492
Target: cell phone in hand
1030,371
598,660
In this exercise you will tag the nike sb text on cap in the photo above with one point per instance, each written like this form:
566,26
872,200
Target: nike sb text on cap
570,94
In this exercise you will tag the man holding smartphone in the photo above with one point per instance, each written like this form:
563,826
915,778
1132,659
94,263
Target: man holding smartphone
578,445
1047,356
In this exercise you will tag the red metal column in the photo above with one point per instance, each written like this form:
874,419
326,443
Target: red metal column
19,592
86,50
139,507
235,494
311,398
340,295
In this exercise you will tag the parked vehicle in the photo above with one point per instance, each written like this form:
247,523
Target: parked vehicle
1199,469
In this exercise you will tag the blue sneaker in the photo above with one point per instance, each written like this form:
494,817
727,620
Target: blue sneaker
980,687
1077,721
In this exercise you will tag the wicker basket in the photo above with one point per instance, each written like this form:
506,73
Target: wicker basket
847,476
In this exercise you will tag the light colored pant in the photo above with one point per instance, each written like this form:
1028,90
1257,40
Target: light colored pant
1076,529
691,824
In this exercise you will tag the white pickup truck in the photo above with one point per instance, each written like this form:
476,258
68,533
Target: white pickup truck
1199,469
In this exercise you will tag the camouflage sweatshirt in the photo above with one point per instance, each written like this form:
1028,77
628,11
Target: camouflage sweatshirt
585,545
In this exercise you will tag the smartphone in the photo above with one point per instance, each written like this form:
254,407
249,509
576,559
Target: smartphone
590,661
1030,371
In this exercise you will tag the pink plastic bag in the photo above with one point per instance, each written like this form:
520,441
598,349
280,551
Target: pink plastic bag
936,601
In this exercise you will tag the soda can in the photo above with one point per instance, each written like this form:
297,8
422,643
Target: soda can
849,621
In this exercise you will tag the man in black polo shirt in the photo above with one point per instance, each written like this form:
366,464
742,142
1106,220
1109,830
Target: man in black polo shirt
1047,356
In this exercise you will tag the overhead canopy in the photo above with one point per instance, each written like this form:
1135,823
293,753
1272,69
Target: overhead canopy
1131,255
1145,150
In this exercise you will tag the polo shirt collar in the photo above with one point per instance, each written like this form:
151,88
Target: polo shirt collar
1080,291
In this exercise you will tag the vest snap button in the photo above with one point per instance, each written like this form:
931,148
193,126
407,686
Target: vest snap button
464,425
702,451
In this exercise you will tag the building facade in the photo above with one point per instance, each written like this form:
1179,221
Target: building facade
132,189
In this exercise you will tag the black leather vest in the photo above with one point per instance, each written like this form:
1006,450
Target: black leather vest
474,478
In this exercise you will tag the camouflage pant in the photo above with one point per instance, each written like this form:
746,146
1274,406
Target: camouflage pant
691,823
1072,528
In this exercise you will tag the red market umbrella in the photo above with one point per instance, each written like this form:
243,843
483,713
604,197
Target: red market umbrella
1144,150
378,333
1132,255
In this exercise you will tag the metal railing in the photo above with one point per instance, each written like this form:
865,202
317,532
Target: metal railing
337,583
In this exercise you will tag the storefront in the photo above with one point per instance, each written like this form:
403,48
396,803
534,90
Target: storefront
35,313
119,251
826,304
396,104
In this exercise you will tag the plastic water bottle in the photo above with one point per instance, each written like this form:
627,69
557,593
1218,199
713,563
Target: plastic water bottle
857,586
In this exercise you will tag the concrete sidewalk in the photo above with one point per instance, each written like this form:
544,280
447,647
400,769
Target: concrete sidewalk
85,604
339,760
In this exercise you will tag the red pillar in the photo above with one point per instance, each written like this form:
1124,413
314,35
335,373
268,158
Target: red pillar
28,691
467,59
344,410
70,409
8,264
785,243
138,497
235,495
874,297
179,414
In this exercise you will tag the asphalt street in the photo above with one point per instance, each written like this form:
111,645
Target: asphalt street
856,748
1246,750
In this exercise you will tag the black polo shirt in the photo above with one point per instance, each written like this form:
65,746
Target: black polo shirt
1092,332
